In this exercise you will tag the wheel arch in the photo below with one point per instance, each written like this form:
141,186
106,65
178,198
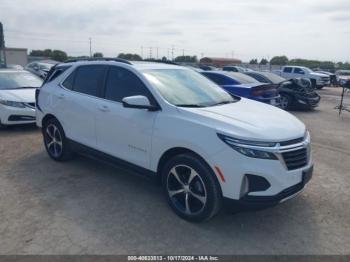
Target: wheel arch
47,118
172,152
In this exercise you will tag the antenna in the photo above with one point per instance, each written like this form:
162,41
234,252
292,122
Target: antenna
2,44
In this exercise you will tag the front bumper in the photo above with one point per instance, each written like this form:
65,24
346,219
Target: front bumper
260,202
268,181
308,102
16,116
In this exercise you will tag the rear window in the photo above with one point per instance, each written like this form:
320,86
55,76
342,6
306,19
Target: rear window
18,79
89,79
242,78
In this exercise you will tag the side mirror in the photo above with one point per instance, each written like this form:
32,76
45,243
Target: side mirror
36,68
138,102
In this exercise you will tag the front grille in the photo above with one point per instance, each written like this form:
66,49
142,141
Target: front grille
292,142
295,159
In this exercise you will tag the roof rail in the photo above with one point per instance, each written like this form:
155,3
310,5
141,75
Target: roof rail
99,59
161,61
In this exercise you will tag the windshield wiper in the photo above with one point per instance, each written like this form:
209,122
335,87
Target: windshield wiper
190,105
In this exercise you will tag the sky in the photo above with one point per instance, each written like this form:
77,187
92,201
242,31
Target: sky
244,29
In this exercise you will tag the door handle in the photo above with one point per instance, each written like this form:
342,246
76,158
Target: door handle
61,96
104,108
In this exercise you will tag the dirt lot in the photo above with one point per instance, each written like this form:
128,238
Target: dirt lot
84,206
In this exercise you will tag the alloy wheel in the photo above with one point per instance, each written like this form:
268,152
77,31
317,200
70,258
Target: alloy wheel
186,190
53,140
284,102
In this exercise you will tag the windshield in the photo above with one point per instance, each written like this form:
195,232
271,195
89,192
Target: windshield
184,87
242,78
273,77
18,79
45,66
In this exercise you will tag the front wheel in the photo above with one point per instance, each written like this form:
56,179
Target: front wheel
191,188
285,101
55,141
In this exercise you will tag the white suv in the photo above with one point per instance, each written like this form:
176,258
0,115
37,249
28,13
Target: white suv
204,145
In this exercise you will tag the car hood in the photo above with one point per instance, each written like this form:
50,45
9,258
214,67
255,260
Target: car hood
319,74
18,95
251,120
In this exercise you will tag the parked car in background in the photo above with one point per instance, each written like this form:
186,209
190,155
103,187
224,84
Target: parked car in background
294,94
242,85
343,77
317,80
205,146
17,96
207,68
40,68
237,69
332,77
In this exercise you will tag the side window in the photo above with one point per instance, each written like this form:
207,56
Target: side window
299,71
287,70
89,79
68,83
123,83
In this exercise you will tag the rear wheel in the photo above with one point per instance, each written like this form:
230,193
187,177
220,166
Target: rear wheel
55,141
191,189
285,101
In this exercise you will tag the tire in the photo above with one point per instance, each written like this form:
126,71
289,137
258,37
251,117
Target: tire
285,101
55,141
191,188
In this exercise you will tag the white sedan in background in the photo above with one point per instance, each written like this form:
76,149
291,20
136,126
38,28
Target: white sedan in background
17,96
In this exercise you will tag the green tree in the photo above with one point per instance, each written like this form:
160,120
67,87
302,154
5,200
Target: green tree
264,61
186,59
253,61
97,54
131,57
279,60
59,55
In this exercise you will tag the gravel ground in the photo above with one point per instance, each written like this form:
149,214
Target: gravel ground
87,207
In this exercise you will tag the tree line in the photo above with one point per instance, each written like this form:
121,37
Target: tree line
283,60
61,56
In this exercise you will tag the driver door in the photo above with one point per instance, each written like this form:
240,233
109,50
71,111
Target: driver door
125,133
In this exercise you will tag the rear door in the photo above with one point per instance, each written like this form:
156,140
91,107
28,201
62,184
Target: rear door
287,72
125,133
76,105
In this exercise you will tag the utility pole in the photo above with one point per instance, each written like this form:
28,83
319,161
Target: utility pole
2,44
157,53
168,54
150,52
183,52
172,53
90,47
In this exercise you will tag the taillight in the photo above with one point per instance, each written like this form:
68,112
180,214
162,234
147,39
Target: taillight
264,90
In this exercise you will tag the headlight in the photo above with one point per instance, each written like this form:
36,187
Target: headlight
245,147
12,103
